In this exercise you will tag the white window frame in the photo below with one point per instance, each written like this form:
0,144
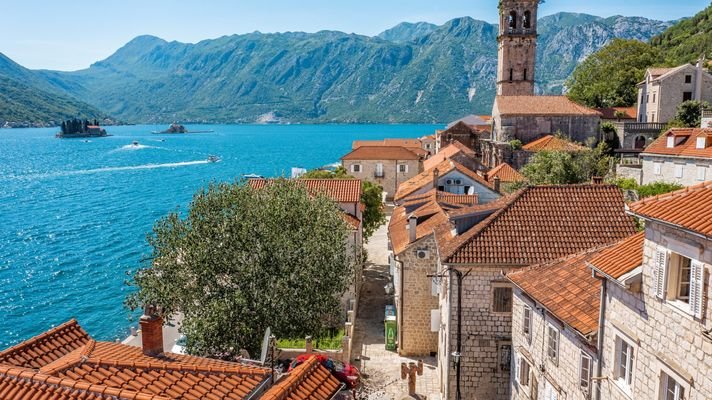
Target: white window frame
527,323
550,392
701,172
677,388
522,372
670,142
657,168
356,168
667,282
403,168
585,366
550,328
625,381
679,171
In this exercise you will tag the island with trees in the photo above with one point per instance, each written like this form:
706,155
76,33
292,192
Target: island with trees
176,128
77,128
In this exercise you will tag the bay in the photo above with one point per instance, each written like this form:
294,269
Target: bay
74,213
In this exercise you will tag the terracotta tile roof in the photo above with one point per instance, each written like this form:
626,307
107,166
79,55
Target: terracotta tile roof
353,222
655,72
689,208
543,223
340,190
430,215
621,258
541,105
446,152
407,143
309,381
471,120
566,288
685,143
506,174
47,347
457,199
425,178
552,143
610,112
382,153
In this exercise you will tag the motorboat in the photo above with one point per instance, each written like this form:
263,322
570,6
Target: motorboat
213,159
134,143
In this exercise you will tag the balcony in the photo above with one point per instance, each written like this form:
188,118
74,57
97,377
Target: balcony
644,127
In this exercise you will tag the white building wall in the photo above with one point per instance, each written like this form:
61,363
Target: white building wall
666,168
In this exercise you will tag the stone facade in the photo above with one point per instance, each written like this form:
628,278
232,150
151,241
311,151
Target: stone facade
686,171
659,95
390,175
563,372
527,128
517,47
416,298
666,339
485,341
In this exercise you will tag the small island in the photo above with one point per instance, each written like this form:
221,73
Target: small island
176,128
76,128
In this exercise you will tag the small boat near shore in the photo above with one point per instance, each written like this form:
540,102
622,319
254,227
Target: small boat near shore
213,159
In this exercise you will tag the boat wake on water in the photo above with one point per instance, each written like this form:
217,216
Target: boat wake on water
107,169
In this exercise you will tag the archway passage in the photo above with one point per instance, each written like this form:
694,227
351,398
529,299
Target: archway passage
639,142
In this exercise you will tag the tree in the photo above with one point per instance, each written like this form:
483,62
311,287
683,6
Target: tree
371,196
689,114
564,168
608,77
244,259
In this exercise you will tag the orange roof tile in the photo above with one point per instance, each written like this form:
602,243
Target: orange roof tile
552,143
685,143
382,153
353,222
506,174
425,178
566,288
309,381
339,190
543,223
610,112
689,208
407,143
621,258
47,347
430,215
541,105
457,199
446,152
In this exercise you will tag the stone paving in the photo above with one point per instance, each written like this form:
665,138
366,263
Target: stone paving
379,367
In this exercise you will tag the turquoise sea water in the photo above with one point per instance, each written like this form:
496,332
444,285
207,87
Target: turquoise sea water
74,214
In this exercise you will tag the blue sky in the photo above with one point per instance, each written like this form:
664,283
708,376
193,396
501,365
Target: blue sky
70,35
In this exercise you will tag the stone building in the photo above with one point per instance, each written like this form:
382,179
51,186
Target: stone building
466,131
665,88
457,152
417,146
534,226
657,333
554,327
506,175
681,155
517,47
451,177
387,166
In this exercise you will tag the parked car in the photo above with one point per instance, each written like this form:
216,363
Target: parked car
344,372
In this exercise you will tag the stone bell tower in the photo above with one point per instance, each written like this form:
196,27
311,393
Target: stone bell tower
517,47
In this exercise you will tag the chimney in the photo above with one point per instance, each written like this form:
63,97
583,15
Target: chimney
597,180
412,226
497,184
698,79
151,331
436,176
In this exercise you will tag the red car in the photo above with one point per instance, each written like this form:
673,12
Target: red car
344,372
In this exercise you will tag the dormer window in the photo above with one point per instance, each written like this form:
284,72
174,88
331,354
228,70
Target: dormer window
701,142
670,142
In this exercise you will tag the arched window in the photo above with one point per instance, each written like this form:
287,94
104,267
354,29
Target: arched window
513,20
511,74
640,142
527,20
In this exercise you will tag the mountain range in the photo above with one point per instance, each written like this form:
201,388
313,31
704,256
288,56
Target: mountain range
411,73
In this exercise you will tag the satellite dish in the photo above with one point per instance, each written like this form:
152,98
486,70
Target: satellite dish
265,345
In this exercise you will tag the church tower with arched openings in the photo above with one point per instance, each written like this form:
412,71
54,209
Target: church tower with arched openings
517,47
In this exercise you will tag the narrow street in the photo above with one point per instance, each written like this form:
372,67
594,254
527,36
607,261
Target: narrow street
381,368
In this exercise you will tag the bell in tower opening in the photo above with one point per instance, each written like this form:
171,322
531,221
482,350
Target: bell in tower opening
517,47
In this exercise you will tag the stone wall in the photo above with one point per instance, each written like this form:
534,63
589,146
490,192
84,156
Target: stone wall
483,332
391,177
632,172
417,299
667,169
665,338
564,373
529,128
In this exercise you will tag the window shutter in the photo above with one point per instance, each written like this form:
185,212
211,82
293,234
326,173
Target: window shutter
516,360
660,273
534,385
697,287
406,168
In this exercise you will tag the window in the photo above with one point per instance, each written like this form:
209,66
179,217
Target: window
671,389
624,363
552,345
701,173
527,323
525,74
652,117
679,170
502,299
523,370
653,97
647,98
526,21
670,142
686,96
511,74
403,168
680,281
585,373
356,168
688,78
379,170
550,392
505,356
512,20
658,167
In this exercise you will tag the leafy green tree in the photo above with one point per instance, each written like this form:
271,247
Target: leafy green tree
563,168
689,114
648,190
244,259
371,196
608,77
